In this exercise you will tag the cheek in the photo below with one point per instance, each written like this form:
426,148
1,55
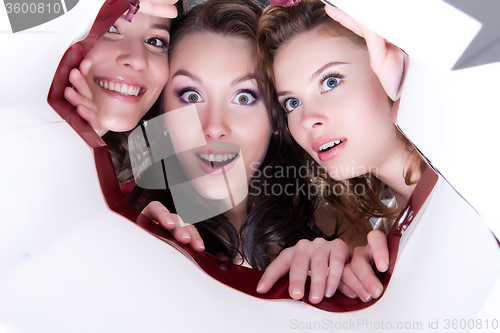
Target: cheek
256,134
159,73
296,130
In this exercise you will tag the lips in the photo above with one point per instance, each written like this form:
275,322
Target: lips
120,86
328,147
216,156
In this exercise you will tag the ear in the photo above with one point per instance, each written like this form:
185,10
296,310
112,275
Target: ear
394,112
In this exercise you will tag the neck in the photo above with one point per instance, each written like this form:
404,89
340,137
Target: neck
237,214
393,174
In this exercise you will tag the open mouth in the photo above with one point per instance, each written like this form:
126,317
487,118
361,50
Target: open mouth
121,88
329,145
217,161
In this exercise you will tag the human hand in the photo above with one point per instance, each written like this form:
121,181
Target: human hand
80,96
324,260
358,277
160,8
182,232
387,60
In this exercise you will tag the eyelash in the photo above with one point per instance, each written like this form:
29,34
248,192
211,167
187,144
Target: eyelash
164,47
180,92
255,96
329,75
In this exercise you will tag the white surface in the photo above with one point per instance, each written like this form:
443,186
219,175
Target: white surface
68,264
449,115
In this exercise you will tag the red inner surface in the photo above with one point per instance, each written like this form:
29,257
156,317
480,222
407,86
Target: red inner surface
240,278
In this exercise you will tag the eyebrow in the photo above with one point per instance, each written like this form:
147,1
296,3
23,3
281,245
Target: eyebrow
315,74
245,78
160,26
328,65
183,72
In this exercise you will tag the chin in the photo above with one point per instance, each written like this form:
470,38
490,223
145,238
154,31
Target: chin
211,190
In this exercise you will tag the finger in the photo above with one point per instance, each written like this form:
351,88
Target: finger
299,270
339,255
159,213
90,117
387,61
319,274
344,289
344,19
378,243
277,269
160,10
84,67
181,232
79,83
196,241
362,268
352,281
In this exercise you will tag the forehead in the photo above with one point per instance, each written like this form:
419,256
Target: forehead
308,51
205,51
143,21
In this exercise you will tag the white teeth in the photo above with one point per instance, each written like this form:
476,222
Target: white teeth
330,144
124,89
131,90
217,157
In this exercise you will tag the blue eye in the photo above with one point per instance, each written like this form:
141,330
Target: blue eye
191,96
291,104
112,30
244,98
330,81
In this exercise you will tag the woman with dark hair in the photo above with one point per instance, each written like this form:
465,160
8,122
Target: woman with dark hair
214,74
122,75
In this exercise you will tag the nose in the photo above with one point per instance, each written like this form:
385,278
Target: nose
215,122
313,117
132,54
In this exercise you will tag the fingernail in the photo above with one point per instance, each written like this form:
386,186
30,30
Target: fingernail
71,92
169,222
186,235
315,296
329,292
260,286
364,295
297,293
200,244
376,290
383,264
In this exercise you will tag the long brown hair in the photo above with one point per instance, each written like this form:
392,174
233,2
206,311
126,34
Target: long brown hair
273,221
277,26
117,142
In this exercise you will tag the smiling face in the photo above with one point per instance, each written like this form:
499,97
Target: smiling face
216,74
129,70
337,110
